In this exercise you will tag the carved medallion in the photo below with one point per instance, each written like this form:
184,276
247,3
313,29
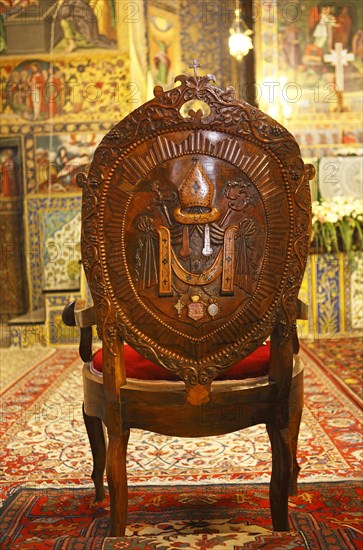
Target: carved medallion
213,310
196,308
190,225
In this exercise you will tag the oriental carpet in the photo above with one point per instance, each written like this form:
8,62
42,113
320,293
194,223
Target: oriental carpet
45,454
341,360
323,516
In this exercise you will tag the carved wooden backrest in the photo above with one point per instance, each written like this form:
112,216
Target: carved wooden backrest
195,229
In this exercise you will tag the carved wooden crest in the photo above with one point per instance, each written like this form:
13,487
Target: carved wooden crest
195,229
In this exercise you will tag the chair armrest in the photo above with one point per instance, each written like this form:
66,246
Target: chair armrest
302,313
84,317
75,314
302,310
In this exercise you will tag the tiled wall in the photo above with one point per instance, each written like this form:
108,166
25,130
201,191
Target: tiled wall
333,289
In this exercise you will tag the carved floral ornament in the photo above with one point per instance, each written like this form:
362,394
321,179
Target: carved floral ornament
195,229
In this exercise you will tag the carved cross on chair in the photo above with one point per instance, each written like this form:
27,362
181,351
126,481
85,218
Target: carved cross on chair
195,65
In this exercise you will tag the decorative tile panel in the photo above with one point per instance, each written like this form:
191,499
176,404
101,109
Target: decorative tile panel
46,216
57,332
328,289
354,293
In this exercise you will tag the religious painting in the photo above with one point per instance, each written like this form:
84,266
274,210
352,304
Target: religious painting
35,90
28,26
326,138
86,24
13,285
64,26
59,158
164,46
85,87
321,46
10,169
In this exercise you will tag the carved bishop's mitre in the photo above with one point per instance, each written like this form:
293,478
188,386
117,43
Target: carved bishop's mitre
196,196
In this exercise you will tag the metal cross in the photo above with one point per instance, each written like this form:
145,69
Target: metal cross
196,187
339,58
195,65
179,306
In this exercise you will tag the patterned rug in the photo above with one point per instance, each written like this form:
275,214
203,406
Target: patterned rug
323,516
342,361
44,442
44,445
15,363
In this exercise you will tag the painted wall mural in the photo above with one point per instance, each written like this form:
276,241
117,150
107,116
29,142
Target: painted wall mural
83,87
164,43
325,136
308,31
64,81
36,90
59,158
296,84
57,25
10,169
13,284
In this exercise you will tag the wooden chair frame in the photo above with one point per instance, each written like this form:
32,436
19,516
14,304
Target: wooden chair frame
121,182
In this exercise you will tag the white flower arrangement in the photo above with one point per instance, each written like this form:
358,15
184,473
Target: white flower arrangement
337,225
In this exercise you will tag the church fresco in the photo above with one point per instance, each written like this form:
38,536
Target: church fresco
82,23
35,90
10,169
296,85
308,32
60,26
204,32
164,52
326,137
59,158
87,87
13,285
64,82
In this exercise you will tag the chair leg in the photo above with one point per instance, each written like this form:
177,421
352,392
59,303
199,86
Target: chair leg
294,427
296,405
280,478
96,438
117,481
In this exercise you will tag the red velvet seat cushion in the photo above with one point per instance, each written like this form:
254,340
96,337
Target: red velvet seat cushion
140,368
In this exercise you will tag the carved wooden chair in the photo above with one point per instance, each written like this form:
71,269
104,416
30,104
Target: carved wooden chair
195,234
